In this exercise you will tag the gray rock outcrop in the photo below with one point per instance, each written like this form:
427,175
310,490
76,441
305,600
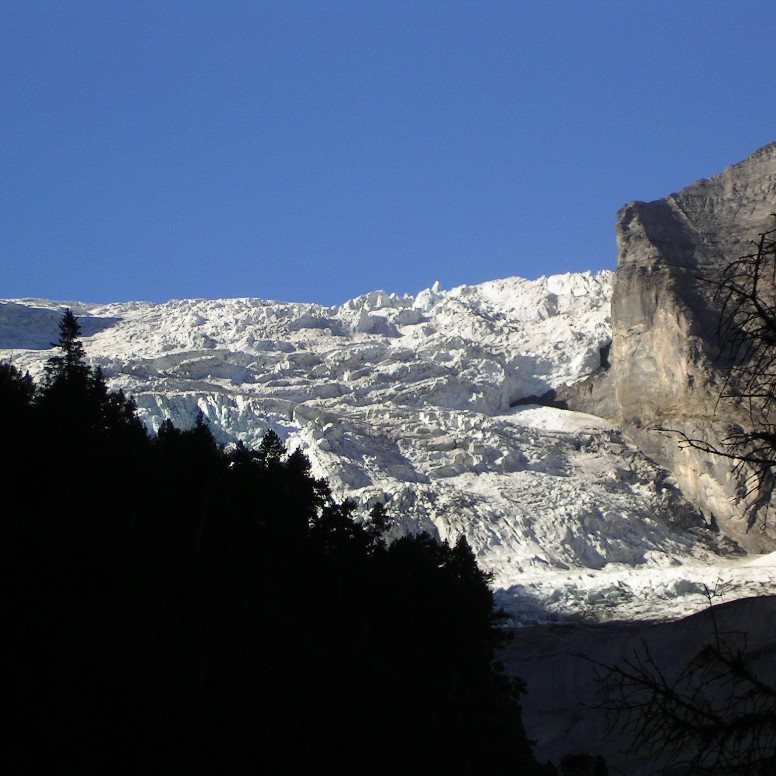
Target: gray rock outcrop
665,374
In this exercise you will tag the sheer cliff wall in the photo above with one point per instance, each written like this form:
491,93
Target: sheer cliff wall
665,377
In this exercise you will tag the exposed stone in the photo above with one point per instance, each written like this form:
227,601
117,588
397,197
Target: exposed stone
594,395
665,374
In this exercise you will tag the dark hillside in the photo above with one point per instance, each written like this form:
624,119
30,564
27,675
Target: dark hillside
178,607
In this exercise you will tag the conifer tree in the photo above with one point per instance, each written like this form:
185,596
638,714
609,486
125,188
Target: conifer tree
271,449
16,391
71,364
75,400
378,516
188,609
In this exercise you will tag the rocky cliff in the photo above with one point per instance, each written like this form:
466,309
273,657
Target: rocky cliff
665,377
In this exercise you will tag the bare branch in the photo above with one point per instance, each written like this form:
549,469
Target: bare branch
712,715
746,333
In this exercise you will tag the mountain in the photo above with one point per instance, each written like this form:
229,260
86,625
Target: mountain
541,419
445,406
666,372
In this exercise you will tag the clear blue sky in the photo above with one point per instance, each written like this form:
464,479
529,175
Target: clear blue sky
314,151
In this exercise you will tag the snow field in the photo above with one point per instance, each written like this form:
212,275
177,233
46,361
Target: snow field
407,400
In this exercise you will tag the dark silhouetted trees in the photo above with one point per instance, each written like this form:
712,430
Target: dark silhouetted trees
179,607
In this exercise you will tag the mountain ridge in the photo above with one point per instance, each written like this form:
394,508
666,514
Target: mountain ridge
408,400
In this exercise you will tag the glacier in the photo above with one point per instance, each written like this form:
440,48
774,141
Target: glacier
427,403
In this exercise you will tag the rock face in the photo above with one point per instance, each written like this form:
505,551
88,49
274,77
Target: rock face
665,376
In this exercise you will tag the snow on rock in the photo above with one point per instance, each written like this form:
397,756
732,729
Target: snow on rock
408,400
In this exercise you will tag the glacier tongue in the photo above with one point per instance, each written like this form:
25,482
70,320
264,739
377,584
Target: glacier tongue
409,400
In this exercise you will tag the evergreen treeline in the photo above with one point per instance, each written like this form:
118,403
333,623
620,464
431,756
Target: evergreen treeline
178,607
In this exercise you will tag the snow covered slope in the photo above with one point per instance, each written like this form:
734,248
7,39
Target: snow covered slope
411,401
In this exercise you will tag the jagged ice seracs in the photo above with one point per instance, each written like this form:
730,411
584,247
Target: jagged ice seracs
411,401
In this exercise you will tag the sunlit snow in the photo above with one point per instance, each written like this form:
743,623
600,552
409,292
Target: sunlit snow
407,400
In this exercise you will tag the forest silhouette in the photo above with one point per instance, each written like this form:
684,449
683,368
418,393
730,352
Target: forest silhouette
180,606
